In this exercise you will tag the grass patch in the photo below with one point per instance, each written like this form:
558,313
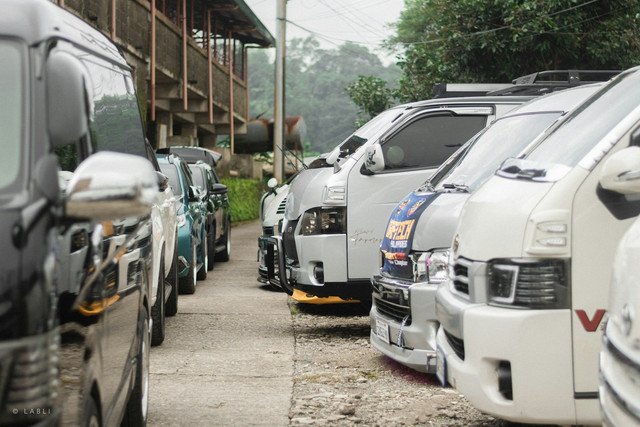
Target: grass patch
244,197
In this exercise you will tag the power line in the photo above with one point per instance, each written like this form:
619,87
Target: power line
505,27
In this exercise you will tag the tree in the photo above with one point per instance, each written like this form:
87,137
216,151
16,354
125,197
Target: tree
498,40
371,95
315,87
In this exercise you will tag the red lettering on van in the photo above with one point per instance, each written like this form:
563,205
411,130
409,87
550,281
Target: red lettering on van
590,325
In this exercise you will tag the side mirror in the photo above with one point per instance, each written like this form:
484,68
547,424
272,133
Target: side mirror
110,185
221,188
272,183
66,100
621,171
333,156
163,181
373,160
193,193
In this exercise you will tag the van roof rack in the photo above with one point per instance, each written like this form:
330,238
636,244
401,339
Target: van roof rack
451,90
531,84
550,80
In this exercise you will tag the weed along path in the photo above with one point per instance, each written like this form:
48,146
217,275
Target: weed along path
239,354
228,354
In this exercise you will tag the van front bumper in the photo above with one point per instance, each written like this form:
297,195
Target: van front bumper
404,329
511,363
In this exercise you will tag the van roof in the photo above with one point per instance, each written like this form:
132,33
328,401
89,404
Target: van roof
36,21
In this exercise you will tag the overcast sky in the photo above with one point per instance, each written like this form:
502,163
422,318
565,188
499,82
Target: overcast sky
333,22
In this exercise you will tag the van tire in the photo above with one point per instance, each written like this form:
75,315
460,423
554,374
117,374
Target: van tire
158,310
188,283
211,248
171,306
138,405
225,254
202,273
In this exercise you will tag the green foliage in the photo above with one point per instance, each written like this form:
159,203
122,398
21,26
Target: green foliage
371,95
244,197
499,40
315,87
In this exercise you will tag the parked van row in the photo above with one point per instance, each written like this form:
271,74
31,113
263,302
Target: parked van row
90,226
494,272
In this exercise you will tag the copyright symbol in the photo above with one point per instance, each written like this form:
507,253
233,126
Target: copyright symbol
15,411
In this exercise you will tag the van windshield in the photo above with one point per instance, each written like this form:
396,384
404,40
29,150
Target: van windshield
12,94
506,137
368,131
585,127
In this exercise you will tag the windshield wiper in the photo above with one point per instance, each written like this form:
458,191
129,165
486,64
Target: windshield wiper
527,173
457,187
426,186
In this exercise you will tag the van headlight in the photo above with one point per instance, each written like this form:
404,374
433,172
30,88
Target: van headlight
324,221
430,266
537,284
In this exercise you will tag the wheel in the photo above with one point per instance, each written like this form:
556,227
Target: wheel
202,273
171,306
158,310
224,254
211,248
138,404
188,283
90,416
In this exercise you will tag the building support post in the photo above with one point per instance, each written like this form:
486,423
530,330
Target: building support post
152,61
185,80
113,20
231,107
210,66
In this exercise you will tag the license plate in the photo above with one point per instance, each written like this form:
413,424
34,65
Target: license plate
382,330
441,366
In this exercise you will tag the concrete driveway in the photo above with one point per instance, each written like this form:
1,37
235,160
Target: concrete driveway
228,354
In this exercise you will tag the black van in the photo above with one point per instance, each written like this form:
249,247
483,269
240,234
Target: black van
74,311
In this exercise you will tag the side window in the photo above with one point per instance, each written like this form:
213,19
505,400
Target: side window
116,124
430,140
186,173
216,180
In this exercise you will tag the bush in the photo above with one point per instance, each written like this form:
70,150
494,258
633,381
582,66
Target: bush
244,197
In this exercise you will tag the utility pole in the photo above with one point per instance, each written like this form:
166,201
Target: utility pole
278,113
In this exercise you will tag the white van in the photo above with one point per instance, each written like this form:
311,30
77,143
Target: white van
521,315
414,263
620,355
335,217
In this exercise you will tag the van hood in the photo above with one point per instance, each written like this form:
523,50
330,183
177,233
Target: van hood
494,219
305,191
438,222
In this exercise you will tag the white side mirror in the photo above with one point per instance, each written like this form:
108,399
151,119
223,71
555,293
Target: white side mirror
333,156
110,185
272,183
373,158
621,171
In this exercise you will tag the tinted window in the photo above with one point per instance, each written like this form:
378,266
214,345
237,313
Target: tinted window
430,140
186,175
505,138
368,131
588,124
115,120
197,176
174,179
11,111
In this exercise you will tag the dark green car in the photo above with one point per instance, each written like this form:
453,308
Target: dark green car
218,223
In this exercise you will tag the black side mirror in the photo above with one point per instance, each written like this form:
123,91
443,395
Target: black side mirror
219,189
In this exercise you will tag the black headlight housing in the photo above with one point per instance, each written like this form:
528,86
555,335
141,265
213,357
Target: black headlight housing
326,220
530,283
